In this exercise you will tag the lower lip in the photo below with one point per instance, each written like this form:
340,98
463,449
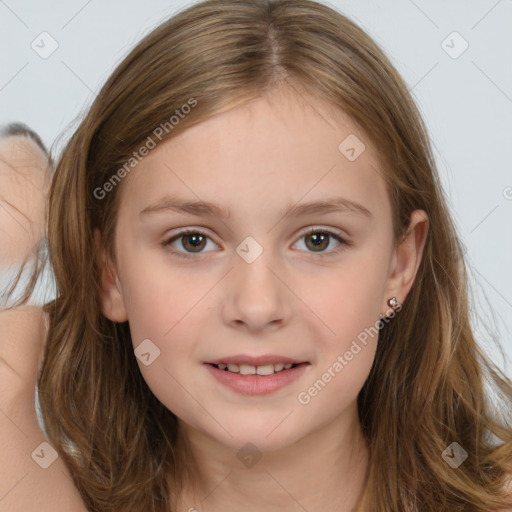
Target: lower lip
257,384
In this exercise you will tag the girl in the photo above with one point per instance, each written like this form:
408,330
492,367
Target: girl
207,353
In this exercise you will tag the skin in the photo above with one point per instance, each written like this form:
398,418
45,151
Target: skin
24,485
24,183
324,454
257,160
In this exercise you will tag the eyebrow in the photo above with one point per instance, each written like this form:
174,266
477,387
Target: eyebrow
209,209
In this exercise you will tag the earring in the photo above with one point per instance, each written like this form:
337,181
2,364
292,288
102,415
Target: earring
393,302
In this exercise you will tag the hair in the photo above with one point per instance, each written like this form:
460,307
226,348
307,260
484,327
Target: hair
427,386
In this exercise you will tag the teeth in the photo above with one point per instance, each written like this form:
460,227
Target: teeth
248,369
267,369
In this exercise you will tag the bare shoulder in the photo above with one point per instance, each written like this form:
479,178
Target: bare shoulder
32,476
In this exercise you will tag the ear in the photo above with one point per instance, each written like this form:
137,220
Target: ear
111,295
406,259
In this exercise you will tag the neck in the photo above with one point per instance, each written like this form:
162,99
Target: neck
323,471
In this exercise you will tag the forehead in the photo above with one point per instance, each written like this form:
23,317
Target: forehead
277,147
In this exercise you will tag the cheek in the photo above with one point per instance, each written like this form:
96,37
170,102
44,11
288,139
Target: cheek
347,300
157,297
173,375
345,356
349,303
334,388
162,324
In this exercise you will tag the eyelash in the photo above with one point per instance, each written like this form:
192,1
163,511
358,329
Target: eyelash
343,242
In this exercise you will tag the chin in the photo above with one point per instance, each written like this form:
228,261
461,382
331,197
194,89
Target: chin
256,434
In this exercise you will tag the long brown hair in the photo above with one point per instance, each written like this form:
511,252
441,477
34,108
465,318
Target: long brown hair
427,387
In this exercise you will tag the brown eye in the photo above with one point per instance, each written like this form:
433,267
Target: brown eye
319,241
188,243
193,242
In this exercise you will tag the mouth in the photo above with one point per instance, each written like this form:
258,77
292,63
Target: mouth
257,375
263,370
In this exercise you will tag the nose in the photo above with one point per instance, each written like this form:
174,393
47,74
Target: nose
255,298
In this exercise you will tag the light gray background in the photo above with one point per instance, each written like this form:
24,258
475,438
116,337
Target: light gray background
466,102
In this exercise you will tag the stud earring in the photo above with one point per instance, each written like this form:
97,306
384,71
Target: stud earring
393,302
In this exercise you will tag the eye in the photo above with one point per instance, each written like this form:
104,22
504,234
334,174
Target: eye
317,240
192,241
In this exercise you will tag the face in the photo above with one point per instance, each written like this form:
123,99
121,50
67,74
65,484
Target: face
262,279
23,186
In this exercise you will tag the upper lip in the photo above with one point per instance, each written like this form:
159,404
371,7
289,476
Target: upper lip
255,361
